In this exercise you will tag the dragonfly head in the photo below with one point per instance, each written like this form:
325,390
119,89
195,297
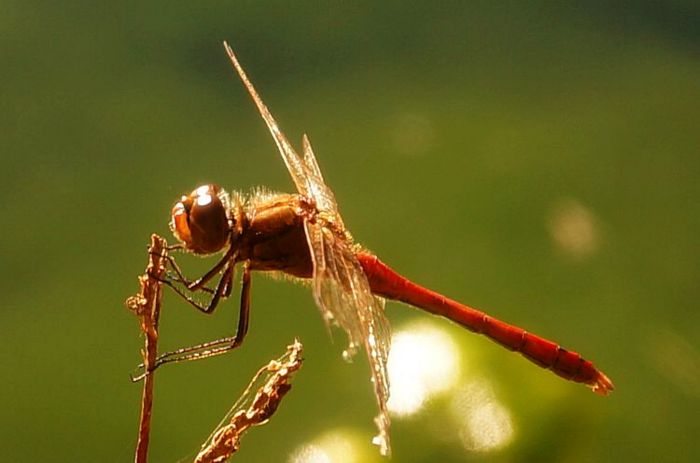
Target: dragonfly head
202,220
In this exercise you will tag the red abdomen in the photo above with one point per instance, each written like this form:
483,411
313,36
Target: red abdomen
387,283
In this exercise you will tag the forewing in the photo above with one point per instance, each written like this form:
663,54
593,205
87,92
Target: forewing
323,196
310,159
344,297
296,167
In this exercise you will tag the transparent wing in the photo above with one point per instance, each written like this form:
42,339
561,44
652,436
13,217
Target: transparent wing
305,172
343,295
296,167
340,286
320,192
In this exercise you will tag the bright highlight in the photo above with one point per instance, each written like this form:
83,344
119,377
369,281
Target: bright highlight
334,447
483,422
424,361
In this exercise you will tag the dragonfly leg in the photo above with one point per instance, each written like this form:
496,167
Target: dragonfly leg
222,290
218,346
199,283
184,287
175,274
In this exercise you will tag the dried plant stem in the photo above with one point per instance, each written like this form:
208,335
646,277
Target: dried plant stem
146,306
247,412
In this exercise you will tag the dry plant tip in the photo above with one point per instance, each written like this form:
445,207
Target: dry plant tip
246,412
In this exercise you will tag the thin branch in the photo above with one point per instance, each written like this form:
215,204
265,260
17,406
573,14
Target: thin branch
146,305
247,412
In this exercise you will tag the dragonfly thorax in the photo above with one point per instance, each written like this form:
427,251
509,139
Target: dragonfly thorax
202,220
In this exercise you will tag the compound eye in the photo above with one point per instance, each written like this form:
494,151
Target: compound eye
200,220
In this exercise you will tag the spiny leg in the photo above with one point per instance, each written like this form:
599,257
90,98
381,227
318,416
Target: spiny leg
209,349
189,287
223,289
195,285
231,342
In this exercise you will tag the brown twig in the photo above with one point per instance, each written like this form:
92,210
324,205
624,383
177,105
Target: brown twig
146,305
246,413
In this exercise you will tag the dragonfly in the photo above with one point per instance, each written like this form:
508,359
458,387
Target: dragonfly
302,235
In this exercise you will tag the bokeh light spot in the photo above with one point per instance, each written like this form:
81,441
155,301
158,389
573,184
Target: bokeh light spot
676,359
424,361
413,134
574,229
483,422
310,454
332,447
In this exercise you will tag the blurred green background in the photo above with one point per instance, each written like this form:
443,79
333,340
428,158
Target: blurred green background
535,159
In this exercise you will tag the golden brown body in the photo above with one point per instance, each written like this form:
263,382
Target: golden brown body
273,236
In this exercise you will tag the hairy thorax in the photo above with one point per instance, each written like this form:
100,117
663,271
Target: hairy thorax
273,236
